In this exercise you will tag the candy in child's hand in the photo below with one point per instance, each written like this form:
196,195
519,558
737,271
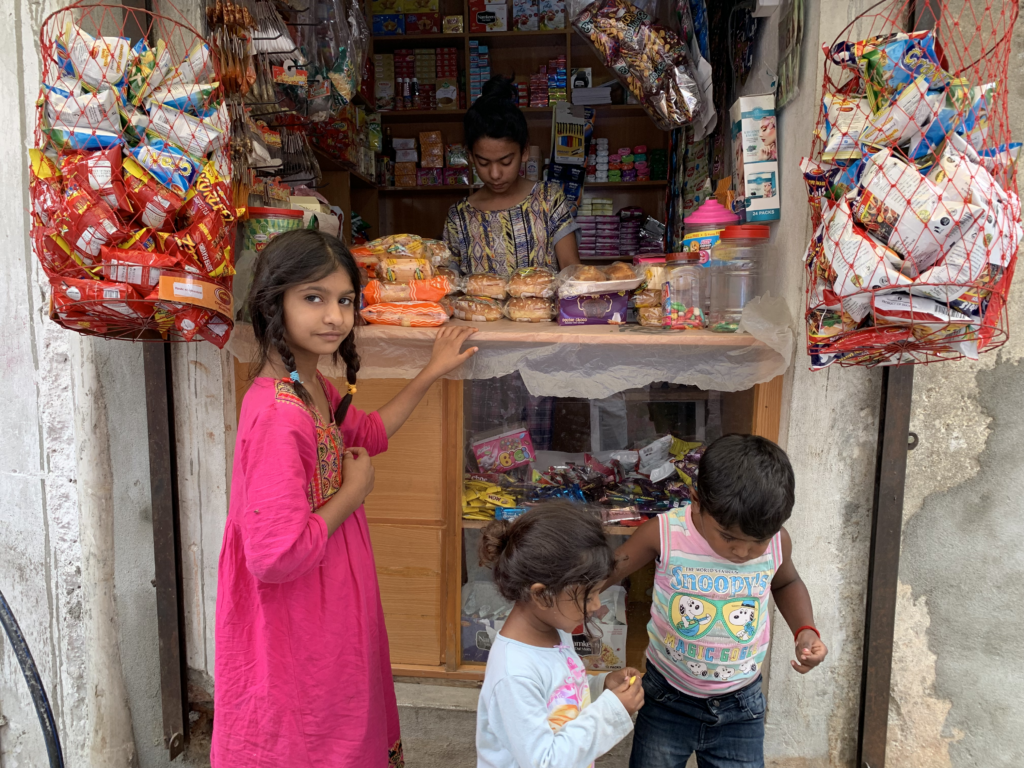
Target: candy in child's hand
632,679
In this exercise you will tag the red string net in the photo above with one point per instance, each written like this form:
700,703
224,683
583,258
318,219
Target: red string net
912,187
132,216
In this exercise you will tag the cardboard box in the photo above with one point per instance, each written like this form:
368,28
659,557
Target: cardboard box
490,17
406,156
388,24
525,15
447,93
756,157
453,25
420,6
385,7
552,14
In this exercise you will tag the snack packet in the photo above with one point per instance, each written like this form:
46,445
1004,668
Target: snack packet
140,240
906,309
196,68
948,113
87,224
77,110
505,451
168,165
818,178
45,186
116,302
138,268
99,62
209,194
195,136
156,206
56,256
847,118
412,314
902,120
99,171
203,244
433,289
147,70
182,96
890,62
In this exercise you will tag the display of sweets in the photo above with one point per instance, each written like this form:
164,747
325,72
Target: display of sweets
630,219
658,162
479,68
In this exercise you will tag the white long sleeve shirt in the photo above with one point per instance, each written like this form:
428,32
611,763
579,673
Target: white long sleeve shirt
539,709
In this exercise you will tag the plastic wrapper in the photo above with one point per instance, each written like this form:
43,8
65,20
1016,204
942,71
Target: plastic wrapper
898,123
405,247
648,59
487,286
46,190
651,317
115,301
583,280
56,255
531,310
457,156
532,282
99,62
593,309
197,67
77,110
433,289
87,224
404,270
210,194
99,171
890,62
193,135
203,244
413,314
168,165
847,118
477,309
646,298
903,309
154,204
182,96
138,268
147,69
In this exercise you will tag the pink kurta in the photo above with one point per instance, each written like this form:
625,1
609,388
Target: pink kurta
302,671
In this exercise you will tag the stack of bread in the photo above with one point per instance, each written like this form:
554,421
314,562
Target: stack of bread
526,297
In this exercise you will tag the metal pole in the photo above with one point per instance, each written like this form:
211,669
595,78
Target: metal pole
166,545
884,563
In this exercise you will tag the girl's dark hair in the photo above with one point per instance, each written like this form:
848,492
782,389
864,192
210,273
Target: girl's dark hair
495,115
290,259
557,544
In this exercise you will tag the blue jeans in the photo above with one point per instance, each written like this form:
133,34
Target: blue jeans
725,732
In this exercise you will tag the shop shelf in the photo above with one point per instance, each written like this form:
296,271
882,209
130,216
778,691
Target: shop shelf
614,530
623,184
422,115
440,188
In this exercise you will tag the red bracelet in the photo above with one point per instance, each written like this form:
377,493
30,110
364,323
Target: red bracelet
807,626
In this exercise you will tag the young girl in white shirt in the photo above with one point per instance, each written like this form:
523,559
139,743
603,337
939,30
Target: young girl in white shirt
538,707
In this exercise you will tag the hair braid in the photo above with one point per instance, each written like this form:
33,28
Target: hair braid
276,333
348,353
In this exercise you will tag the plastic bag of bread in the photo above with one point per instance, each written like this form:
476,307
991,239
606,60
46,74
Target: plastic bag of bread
587,280
486,286
434,289
405,247
477,309
647,297
531,310
532,282
651,316
412,314
448,303
404,270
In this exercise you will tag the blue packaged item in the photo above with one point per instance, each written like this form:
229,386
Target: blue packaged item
168,164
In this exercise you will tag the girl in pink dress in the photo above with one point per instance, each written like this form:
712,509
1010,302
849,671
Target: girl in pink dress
302,670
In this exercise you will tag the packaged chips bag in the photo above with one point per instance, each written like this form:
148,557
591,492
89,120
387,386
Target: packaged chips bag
87,223
155,205
56,256
138,268
73,110
99,62
203,244
46,189
168,165
99,171
847,118
195,136
209,194
147,70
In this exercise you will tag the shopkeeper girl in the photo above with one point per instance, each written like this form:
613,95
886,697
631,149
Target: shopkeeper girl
511,222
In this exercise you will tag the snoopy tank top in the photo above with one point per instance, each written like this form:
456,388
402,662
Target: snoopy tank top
709,627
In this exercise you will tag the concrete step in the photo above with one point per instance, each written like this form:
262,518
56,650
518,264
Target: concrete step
439,727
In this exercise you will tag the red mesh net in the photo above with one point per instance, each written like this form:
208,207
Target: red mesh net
912,187
132,211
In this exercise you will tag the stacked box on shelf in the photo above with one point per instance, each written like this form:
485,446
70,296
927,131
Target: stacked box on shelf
446,84
405,162
599,228
479,69
539,89
423,83
525,15
384,76
405,71
597,161
422,17
630,219
641,163
523,89
557,80
658,161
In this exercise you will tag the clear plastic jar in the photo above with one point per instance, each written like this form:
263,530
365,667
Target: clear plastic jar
735,274
681,296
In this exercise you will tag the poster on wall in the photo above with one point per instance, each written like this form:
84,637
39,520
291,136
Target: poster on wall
791,35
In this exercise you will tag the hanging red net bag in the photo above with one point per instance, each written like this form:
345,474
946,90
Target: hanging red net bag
131,213
912,187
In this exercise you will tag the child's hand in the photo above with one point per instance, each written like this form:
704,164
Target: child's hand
810,652
631,695
357,472
446,356
620,677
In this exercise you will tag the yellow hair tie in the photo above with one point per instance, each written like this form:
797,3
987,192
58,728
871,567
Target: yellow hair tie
352,389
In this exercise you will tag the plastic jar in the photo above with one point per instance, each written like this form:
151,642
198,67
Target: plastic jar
264,224
682,305
702,229
735,274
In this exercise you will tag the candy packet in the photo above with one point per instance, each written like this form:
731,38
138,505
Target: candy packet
168,165
504,451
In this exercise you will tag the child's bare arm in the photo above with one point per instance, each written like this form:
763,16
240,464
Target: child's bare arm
640,549
794,602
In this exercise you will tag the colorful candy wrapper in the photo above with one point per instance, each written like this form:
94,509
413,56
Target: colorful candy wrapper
45,186
99,171
168,165
155,205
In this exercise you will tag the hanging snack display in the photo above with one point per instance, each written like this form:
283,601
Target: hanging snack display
912,188
648,59
131,218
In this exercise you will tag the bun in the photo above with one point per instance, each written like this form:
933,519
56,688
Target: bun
489,286
499,87
530,310
493,541
620,271
589,274
532,281
476,309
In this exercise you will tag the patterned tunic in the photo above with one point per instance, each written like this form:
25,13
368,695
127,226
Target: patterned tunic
500,242
302,669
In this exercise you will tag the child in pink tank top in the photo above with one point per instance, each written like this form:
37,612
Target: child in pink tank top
717,562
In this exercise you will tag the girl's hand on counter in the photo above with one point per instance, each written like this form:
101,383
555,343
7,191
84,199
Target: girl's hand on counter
447,356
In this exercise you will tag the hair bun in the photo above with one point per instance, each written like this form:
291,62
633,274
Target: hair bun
499,87
493,540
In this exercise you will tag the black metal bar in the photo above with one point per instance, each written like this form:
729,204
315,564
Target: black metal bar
884,563
166,545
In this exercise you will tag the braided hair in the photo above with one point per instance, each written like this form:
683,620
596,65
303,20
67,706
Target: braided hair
290,259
